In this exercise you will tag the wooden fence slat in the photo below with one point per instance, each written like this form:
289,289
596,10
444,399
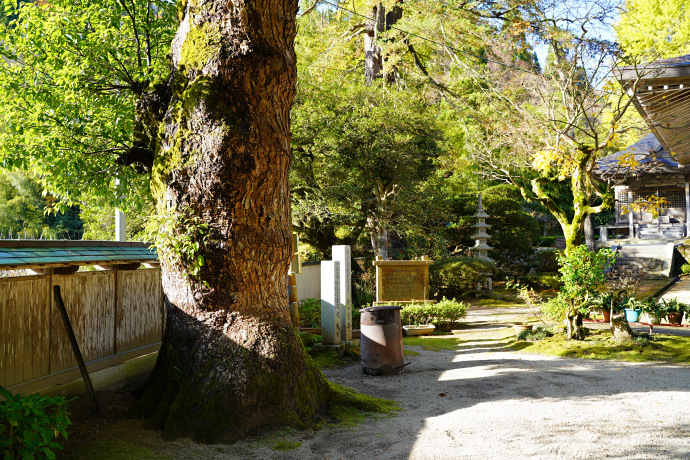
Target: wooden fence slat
43,287
3,332
33,343
11,339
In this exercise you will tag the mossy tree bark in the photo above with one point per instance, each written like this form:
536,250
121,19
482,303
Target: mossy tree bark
583,187
230,360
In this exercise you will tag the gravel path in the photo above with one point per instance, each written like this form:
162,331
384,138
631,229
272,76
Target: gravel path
480,401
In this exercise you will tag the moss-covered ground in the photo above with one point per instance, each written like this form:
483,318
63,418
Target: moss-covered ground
114,450
600,345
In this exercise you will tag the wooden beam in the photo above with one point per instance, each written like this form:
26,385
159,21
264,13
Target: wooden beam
75,348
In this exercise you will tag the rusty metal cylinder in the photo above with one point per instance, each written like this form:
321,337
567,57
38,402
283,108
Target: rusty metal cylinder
381,340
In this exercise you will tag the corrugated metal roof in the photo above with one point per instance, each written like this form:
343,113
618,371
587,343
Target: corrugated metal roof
19,254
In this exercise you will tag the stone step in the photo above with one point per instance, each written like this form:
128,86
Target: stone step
654,259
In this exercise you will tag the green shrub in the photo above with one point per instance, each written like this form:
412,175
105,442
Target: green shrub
685,269
309,312
309,340
547,261
30,425
535,335
442,314
555,308
544,281
456,276
547,241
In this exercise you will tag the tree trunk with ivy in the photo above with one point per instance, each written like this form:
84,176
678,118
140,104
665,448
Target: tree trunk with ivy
230,361
573,323
583,189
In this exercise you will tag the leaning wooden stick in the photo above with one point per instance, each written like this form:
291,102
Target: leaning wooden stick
75,348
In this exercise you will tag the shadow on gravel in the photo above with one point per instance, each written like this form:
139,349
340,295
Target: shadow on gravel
468,380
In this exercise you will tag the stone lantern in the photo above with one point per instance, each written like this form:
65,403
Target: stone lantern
480,247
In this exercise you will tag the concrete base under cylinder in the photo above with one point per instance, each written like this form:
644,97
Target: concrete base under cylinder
381,341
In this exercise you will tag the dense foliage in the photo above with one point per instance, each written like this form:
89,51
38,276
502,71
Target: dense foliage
23,211
31,425
456,276
69,85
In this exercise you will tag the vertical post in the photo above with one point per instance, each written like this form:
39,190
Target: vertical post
343,254
292,282
120,226
75,348
631,215
687,209
330,302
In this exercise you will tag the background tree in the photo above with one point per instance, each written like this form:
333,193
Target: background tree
554,126
23,211
654,29
360,158
70,81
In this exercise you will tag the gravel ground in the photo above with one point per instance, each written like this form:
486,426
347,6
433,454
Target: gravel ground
480,401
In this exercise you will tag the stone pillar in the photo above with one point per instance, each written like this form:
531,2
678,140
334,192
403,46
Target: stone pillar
330,302
342,254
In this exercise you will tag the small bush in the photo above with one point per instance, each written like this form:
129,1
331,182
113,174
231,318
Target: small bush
547,241
30,425
309,340
555,308
547,261
535,335
685,269
454,277
309,312
442,314
544,281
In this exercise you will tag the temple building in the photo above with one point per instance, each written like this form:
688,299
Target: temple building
652,176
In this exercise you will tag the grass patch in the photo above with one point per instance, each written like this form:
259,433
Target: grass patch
433,343
115,450
599,344
287,444
350,408
327,357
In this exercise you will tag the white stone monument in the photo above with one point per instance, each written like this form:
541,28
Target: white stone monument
342,254
330,302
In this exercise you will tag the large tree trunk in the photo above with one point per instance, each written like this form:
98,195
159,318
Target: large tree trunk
230,360
373,55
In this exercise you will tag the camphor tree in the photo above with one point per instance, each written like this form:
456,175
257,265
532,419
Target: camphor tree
70,81
214,132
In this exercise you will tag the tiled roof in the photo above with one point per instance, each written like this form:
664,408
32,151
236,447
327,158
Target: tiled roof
648,153
47,253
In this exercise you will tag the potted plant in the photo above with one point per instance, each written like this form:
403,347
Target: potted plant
418,318
633,310
674,311
651,311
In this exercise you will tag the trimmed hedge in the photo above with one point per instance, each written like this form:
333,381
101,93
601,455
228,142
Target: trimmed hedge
442,314
454,277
